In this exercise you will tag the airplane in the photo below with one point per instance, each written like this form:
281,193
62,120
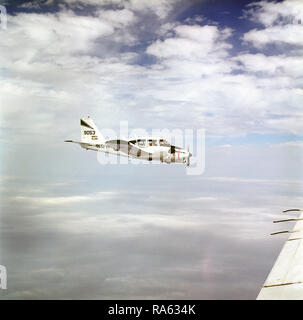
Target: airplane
145,148
285,280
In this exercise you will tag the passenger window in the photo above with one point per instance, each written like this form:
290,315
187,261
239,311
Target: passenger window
141,143
164,143
152,143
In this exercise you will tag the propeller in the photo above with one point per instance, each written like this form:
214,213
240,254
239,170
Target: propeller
188,158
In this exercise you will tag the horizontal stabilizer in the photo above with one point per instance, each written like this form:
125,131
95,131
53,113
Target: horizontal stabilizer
82,144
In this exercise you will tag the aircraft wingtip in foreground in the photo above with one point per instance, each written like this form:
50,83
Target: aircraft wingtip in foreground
145,148
285,281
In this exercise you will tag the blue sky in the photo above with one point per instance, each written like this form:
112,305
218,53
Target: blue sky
73,228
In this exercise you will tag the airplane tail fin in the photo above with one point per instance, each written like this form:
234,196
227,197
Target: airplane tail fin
90,132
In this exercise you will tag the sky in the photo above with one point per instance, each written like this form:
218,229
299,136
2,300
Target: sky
72,228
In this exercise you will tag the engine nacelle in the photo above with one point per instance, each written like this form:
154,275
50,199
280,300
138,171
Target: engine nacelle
169,159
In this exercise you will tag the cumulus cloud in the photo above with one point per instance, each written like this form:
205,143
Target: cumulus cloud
118,17
57,60
58,34
278,65
75,60
192,42
289,34
270,13
282,22
159,7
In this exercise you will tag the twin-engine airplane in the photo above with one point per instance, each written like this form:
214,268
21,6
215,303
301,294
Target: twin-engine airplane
145,148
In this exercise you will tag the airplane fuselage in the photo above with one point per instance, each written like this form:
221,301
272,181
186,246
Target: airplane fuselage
156,152
144,148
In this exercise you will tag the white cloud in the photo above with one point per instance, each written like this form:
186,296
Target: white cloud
192,42
119,18
270,12
73,61
60,34
159,7
282,22
50,201
279,65
290,34
55,67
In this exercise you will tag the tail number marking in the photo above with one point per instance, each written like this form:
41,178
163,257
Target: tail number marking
89,132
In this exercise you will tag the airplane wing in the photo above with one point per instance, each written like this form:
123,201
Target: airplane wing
285,281
129,149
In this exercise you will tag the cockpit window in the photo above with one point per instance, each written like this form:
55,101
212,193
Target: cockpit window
139,142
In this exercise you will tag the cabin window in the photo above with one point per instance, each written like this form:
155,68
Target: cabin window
164,143
141,143
152,143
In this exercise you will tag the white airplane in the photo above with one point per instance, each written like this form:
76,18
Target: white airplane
145,148
285,281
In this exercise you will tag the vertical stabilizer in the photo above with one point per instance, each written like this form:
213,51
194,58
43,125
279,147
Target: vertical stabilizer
90,132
